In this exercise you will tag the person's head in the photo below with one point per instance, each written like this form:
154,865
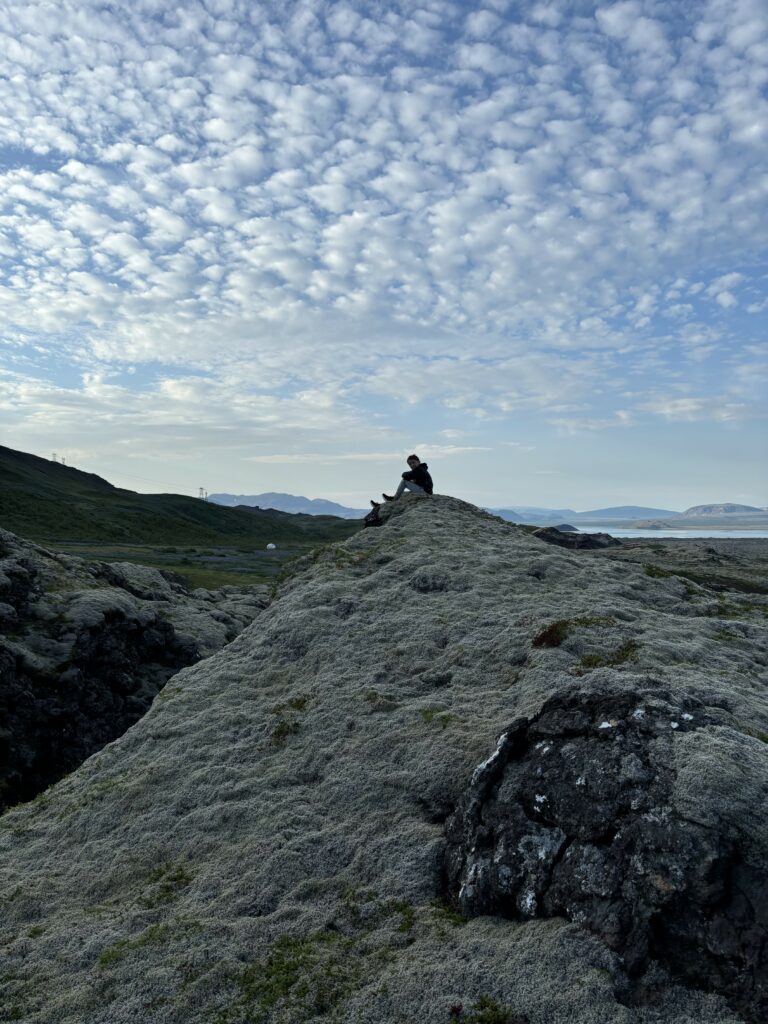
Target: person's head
413,461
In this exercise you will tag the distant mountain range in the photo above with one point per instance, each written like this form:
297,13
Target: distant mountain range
289,503
534,514
721,516
529,513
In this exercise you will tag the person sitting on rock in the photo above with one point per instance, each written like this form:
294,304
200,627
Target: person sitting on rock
416,480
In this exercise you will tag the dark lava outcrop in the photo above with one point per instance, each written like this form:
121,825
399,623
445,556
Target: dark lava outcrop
564,539
84,649
574,815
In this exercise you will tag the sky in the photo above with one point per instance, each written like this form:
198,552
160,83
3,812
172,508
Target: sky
279,246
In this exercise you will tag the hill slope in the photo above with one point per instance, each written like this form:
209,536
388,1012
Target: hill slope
276,840
624,512
50,503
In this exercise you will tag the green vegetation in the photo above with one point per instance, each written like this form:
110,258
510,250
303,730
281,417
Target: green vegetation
712,581
406,911
302,977
119,950
626,652
207,544
726,637
438,716
168,693
486,1011
756,734
354,899
556,632
286,570
165,884
89,795
283,730
718,581
447,914
656,571
553,634
730,610
314,975
287,725
379,701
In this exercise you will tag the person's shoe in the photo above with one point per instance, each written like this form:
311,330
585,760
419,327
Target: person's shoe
388,497
375,504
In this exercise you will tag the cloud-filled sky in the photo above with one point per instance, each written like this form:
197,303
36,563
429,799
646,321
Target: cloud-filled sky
278,246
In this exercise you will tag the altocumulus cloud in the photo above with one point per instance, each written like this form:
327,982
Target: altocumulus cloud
276,219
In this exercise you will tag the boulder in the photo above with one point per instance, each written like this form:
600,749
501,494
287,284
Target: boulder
575,541
584,811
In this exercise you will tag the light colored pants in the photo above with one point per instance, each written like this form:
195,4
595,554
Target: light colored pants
408,485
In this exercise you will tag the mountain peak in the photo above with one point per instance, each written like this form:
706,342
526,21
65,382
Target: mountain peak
295,503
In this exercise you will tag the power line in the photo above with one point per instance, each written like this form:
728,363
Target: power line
131,476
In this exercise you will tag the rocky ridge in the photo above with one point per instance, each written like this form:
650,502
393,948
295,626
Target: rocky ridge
85,648
290,833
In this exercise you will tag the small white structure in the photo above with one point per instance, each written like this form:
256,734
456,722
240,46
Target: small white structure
271,547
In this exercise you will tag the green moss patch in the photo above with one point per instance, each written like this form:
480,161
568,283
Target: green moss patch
486,1011
437,716
287,723
165,884
380,701
626,652
556,632
301,978
119,950
656,572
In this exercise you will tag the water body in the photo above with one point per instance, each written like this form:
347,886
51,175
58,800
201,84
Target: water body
684,534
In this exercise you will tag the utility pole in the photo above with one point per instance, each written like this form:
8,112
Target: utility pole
203,494
54,457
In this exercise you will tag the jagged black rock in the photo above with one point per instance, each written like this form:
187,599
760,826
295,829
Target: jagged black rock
573,815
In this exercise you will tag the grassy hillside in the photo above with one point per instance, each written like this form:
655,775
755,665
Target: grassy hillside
62,507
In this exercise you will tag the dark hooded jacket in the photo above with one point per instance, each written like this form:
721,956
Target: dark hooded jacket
420,476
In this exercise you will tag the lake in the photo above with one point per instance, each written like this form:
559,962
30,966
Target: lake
685,534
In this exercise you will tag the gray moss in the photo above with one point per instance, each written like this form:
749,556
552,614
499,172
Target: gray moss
281,844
